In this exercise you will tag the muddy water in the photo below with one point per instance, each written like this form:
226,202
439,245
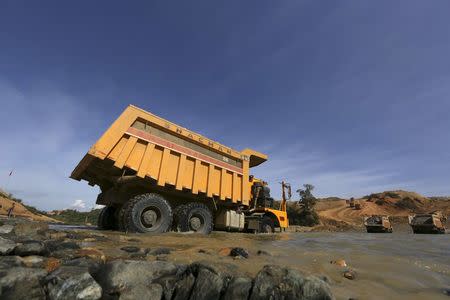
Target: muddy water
387,266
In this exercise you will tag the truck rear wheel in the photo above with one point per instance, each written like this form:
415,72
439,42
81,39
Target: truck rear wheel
197,218
147,213
106,220
178,214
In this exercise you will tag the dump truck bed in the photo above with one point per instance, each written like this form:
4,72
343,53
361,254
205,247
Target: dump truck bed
168,155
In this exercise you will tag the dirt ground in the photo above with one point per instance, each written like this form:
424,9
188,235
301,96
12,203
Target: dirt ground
21,211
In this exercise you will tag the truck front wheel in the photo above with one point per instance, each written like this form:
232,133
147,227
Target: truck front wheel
267,225
147,213
196,217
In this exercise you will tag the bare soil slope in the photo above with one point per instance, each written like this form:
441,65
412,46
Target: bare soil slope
20,210
392,203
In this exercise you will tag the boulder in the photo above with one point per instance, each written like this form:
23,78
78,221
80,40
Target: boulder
6,246
277,283
6,229
283,283
56,245
208,285
30,248
7,262
239,288
119,275
315,289
72,283
22,283
87,263
149,292
183,287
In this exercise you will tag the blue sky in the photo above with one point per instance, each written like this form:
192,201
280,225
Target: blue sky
351,96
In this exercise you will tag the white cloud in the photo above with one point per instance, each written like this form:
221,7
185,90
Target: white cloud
79,205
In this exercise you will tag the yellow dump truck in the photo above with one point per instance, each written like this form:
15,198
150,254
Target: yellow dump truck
156,176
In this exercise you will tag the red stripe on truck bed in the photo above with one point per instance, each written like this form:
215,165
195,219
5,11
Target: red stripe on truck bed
180,149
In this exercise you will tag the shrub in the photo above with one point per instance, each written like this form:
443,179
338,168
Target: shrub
407,203
393,195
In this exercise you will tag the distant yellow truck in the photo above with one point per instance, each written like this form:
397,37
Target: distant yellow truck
155,175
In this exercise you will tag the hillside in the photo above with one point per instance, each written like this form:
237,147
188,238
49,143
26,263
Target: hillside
21,210
392,203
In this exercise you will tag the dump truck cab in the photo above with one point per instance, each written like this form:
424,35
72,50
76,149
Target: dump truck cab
378,224
433,222
263,215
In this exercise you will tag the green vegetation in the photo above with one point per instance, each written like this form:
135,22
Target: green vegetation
71,216
303,213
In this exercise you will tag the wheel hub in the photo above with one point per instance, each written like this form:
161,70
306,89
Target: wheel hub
149,217
195,223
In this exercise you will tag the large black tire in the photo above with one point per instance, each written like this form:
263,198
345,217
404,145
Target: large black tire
267,225
147,213
197,217
121,217
179,214
106,220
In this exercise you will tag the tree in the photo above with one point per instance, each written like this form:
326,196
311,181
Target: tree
308,216
307,200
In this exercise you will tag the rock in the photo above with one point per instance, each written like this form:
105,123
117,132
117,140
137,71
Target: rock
225,251
22,283
34,261
117,275
30,248
263,252
339,262
55,235
159,251
6,246
315,288
150,292
91,253
54,245
349,274
446,291
275,282
208,285
89,264
64,254
239,252
30,229
183,287
72,283
238,288
6,229
7,262
52,264
130,249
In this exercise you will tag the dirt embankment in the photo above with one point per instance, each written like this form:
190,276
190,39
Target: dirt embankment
20,210
335,212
